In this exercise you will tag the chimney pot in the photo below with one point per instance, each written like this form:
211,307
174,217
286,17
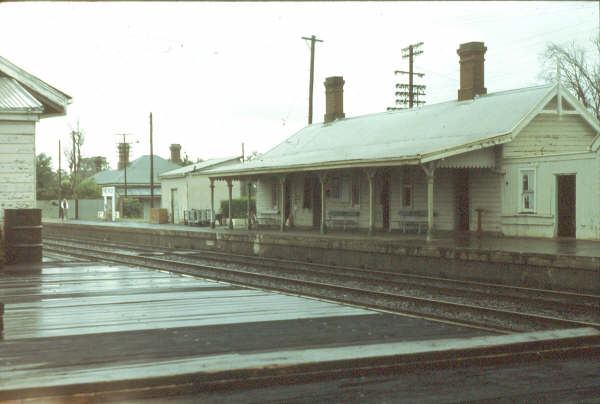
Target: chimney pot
175,153
334,98
471,70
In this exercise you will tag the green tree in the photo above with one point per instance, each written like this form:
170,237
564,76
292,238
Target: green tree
46,179
88,189
88,166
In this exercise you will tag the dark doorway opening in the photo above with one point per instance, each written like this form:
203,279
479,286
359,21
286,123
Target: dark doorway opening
565,197
385,201
461,187
287,202
316,202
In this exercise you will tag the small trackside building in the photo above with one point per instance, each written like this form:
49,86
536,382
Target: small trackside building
187,187
522,162
24,100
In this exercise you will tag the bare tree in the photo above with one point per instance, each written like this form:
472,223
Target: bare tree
73,156
579,72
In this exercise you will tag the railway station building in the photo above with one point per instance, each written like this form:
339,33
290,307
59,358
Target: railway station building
522,162
187,188
24,100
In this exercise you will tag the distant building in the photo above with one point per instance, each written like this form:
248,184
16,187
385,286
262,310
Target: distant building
138,180
523,162
188,188
24,100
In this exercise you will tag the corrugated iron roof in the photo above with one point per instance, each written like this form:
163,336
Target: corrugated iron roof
404,134
138,172
13,97
180,172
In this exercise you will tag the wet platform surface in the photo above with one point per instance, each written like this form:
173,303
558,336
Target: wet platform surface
71,322
568,247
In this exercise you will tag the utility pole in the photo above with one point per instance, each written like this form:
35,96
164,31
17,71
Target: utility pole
151,167
312,40
410,92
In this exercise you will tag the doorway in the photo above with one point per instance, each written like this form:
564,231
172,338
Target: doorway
316,202
174,207
461,190
287,202
565,205
385,201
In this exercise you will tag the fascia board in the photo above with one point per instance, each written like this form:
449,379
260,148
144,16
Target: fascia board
583,112
595,143
33,83
478,145
317,167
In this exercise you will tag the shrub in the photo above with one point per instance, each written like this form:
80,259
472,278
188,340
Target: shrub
132,208
239,207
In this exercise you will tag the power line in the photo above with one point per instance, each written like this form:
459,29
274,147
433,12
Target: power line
410,92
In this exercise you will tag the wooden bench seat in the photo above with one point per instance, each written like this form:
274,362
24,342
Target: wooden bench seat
408,219
347,218
268,218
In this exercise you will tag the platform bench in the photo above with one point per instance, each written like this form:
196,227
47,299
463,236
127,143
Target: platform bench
343,217
411,219
268,218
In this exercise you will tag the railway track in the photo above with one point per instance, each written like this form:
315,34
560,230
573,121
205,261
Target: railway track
497,307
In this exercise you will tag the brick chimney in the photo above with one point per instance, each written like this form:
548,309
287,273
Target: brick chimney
471,70
334,98
176,153
123,155
97,164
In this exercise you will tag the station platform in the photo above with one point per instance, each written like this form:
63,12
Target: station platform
561,264
79,329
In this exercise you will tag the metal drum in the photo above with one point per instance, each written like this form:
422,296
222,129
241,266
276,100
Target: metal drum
23,231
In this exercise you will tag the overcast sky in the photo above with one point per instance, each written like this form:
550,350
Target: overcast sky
215,75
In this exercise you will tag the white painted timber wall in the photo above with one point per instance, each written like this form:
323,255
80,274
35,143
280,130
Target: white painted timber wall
17,165
485,193
193,192
552,146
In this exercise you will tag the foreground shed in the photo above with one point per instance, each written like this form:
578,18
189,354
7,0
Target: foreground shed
24,100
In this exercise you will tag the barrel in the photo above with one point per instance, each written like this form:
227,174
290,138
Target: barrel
23,235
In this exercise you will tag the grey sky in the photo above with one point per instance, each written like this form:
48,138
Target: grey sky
219,74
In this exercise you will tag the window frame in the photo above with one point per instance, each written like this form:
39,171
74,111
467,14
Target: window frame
275,192
355,190
412,195
531,191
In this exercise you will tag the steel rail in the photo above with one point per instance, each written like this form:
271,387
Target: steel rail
500,320
434,284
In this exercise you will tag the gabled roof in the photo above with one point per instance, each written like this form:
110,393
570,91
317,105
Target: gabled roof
54,101
408,136
199,167
14,98
138,172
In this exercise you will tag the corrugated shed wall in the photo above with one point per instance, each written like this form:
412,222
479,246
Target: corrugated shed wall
478,158
485,193
547,134
17,166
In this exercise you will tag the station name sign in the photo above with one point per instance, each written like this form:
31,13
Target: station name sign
108,191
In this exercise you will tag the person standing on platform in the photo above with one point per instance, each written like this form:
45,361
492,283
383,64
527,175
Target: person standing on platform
65,209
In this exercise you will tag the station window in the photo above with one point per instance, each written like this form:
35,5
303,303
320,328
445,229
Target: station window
307,197
407,195
527,190
355,190
275,191
335,188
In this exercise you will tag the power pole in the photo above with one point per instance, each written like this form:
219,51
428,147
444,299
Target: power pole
312,40
151,167
410,92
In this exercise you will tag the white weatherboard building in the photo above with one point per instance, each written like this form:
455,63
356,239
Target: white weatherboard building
24,100
524,162
189,188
